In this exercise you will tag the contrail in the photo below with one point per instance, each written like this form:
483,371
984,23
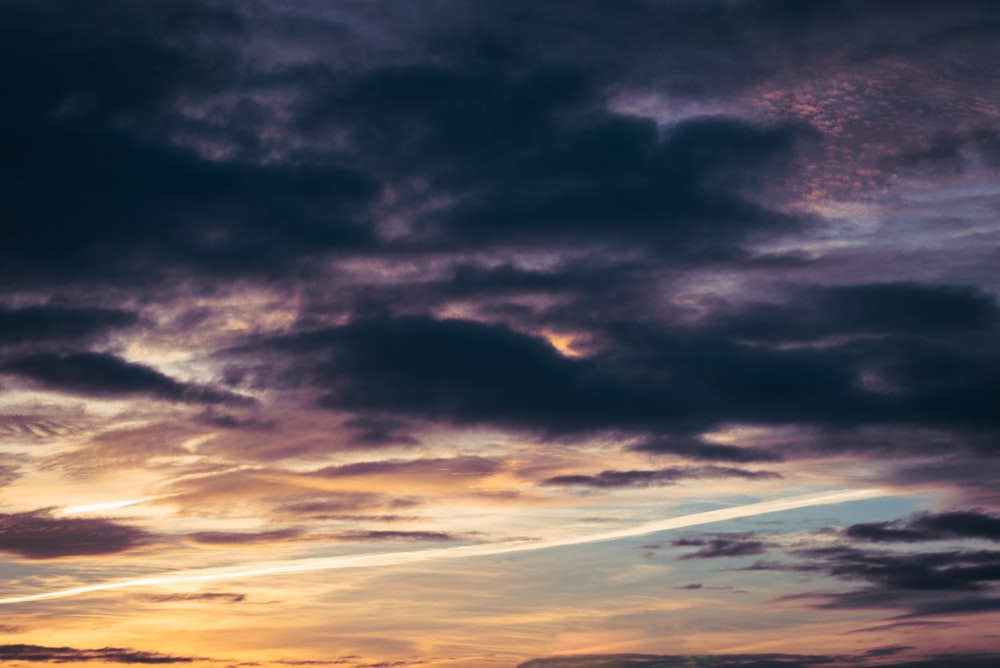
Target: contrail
482,550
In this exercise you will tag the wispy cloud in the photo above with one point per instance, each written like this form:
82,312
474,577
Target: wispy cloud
488,549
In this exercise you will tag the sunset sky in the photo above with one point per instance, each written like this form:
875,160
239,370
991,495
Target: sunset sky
485,334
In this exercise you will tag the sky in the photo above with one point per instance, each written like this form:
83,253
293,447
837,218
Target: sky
377,333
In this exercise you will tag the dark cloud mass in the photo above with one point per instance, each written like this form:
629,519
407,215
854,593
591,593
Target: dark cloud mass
723,545
54,323
72,654
38,535
920,584
903,308
693,448
101,374
667,476
103,190
939,526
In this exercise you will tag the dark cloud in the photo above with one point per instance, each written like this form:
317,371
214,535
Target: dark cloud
98,121
53,323
952,151
244,537
73,654
929,526
102,374
943,150
958,660
39,535
952,570
665,476
901,308
722,545
374,431
226,420
282,535
462,371
453,370
920,583
934,381
457,466
408,536
694,448
347,506
214,596
953,606
904,625
987,143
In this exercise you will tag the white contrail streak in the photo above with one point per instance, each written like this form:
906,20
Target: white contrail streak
482,550
108,505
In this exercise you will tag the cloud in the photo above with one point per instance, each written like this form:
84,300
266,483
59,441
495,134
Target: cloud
920,583
722,545
948,150
347,505
695,448
874,308
134,201
38,535
372,431
102,374
468,372
951,570
34,324
929,526
665,476
248,538
753,44
410,536
244,537
463,466
8,474
73,654
467,247
214,596
620,182
774,660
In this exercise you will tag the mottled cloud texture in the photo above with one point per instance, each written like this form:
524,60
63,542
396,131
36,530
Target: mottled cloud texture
284,281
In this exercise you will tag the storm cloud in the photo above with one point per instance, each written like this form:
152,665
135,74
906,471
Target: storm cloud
39,535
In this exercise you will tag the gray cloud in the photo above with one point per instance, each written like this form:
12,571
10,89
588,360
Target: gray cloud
72,654
665,476
775,660
38,535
